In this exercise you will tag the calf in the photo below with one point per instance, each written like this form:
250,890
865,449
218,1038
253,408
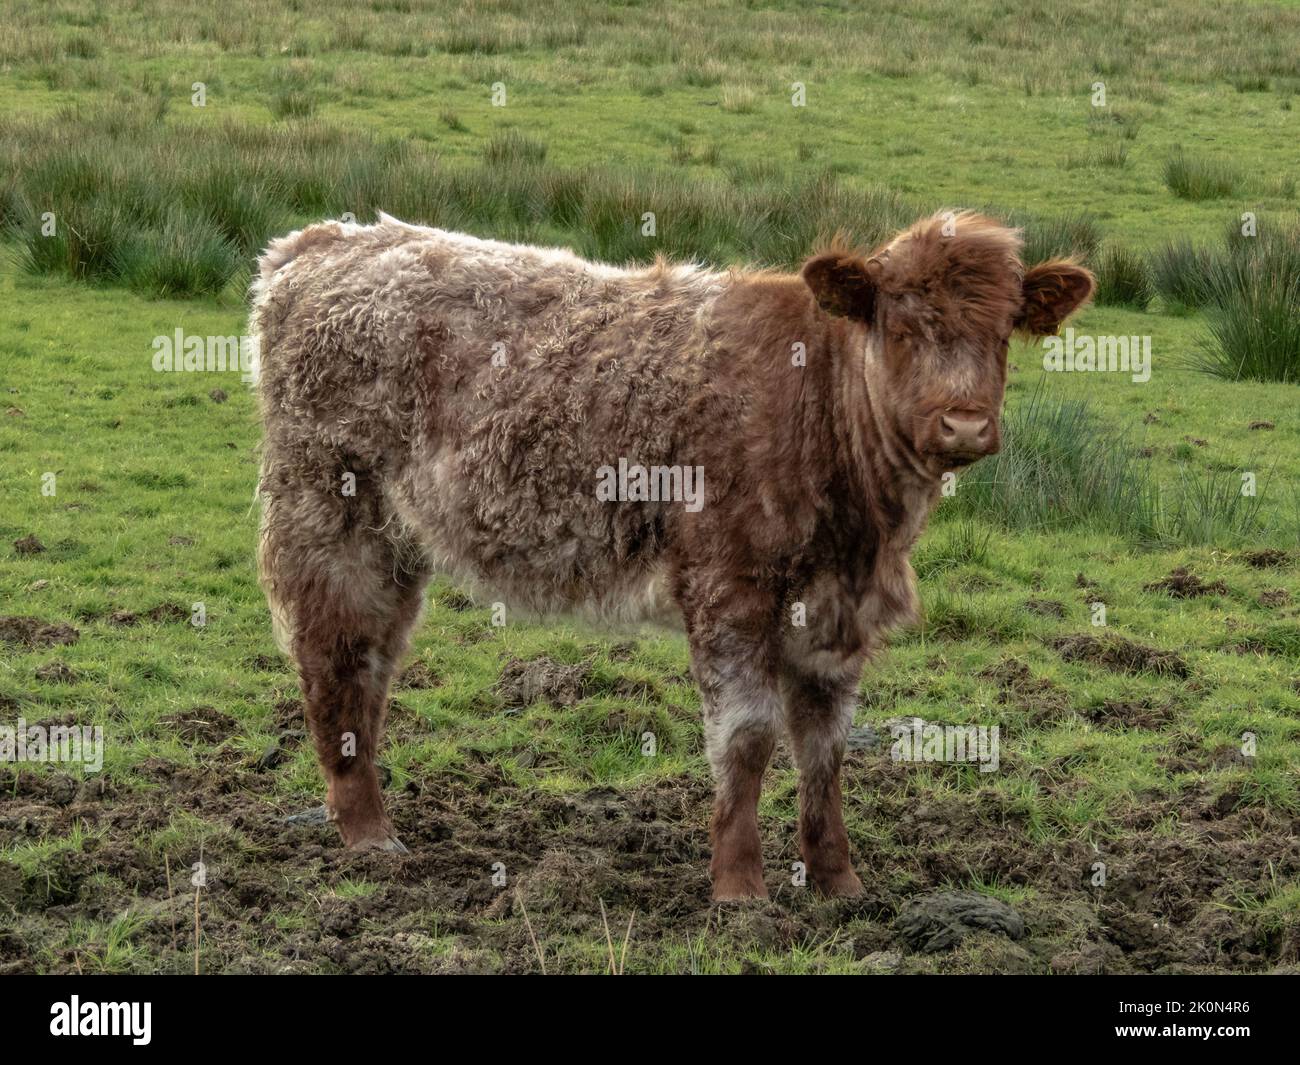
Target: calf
433,401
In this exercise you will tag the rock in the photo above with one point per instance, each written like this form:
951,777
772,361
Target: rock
863,738
941,920
270,758
883,961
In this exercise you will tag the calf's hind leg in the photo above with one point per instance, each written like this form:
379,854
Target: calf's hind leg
346,588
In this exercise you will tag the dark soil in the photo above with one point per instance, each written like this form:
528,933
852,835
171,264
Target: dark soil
275,899
524,683
35,632
1183,585
1120,655
1269,558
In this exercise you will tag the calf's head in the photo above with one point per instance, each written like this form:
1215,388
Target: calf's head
937,306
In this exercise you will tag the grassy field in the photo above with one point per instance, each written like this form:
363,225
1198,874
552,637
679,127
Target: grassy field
517,750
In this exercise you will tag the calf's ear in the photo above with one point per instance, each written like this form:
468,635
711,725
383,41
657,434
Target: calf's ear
842,284
1052,292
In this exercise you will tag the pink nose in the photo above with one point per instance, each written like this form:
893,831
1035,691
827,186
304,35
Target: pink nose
969,436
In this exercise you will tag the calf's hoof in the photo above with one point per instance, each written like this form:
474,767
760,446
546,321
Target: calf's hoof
387,842
732,887
374,837
841,884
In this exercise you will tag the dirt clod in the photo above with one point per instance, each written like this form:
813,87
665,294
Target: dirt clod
418,676
204,724
168,612
1126,714
1184,585
33,632
941,920
56,673
1047,608
1120,655
28,545
523,683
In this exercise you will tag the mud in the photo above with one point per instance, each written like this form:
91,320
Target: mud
1269,558
35,632
283,898
1180,584
1043,699
523,683
1120,655
941,920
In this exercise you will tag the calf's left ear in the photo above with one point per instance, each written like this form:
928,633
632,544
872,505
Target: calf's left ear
1052,292
842,284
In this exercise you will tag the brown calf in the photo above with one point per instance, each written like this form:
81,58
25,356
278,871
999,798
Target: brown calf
757,452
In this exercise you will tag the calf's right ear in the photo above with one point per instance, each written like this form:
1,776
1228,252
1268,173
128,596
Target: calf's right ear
842,285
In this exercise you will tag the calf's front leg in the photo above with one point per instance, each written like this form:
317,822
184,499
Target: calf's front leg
818,713
742,711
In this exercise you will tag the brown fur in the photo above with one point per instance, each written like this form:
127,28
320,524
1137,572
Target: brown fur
377,362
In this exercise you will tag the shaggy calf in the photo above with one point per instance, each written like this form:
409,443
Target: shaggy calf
489,410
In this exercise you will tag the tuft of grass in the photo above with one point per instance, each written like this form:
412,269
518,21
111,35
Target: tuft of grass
1253,294
1067,235
187,256
739,100
1123,279
292,103
1180,273
513,149
1059,466
1194,178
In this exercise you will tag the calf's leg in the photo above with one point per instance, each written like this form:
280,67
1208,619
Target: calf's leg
818,713
741,717
346,588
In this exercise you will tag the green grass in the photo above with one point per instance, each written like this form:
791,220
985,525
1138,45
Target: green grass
1194,178
1105,485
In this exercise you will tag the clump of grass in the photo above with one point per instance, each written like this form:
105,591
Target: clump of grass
1253,293
1059,467
1194,178
1123,279
1180,274
511,148
292,103
1251,83
1066,235
738,100
452,121
187,256
966,543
